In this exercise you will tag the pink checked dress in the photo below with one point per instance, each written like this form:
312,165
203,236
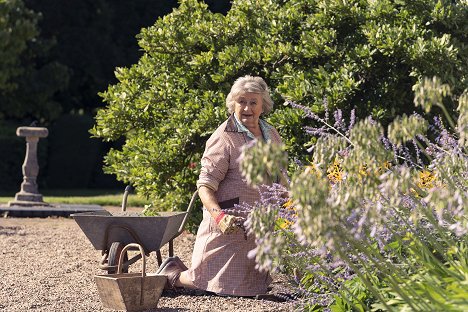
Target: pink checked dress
219,261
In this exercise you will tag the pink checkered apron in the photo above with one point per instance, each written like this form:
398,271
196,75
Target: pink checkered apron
219,262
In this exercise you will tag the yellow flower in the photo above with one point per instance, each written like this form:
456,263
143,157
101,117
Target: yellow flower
426,179
335,172
284,223
289,205
385,166
363,170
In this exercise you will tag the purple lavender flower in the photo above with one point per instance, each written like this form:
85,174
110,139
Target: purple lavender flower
352,121
339,121
325,106
445,139
316,131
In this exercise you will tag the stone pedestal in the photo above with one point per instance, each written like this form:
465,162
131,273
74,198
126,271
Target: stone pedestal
29,195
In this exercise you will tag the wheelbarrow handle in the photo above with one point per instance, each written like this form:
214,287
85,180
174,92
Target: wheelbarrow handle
128,189
189,209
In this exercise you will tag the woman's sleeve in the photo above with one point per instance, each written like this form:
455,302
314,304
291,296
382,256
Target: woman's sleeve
276,138
214,163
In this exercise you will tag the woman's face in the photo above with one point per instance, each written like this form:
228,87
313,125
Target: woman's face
248,108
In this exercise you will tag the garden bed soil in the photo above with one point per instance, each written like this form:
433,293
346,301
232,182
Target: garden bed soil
48,264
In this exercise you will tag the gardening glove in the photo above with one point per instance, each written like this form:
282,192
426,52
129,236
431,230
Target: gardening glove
229,224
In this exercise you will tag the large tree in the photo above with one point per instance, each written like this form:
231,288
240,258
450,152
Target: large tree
55,56
345,54
18,26
26,82
92,38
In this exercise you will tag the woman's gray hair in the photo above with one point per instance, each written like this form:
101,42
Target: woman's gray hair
249,84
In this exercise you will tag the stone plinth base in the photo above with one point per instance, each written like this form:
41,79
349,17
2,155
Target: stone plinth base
23,198
44,211
24,203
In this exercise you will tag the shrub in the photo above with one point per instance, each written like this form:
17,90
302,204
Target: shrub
363,54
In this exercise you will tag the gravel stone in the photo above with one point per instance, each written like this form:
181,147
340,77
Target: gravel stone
48,264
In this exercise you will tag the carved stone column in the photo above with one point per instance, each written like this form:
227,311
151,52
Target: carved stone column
29,195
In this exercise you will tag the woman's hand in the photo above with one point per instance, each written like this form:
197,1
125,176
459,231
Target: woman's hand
229,224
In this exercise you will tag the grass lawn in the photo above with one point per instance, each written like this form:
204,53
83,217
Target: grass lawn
85,196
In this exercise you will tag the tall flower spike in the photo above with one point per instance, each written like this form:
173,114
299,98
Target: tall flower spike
430,92
405,128
462,124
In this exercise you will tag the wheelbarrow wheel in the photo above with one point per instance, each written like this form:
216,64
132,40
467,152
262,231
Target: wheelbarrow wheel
113,258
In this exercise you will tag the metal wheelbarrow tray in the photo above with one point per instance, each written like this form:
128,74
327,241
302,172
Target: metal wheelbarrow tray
112,232
153,231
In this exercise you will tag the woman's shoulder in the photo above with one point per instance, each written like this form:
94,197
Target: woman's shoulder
219,135
268,125
273,134
219,131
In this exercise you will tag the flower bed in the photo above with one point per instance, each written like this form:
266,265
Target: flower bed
378,218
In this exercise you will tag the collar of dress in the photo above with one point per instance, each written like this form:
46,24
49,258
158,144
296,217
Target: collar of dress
234,125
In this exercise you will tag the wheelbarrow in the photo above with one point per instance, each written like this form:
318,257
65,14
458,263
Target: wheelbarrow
111,233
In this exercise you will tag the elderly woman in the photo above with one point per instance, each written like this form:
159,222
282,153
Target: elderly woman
219,261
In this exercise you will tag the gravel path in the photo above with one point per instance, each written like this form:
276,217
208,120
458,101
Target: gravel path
48,265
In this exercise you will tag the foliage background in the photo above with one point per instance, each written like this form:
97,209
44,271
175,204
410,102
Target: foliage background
55,57
365,55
